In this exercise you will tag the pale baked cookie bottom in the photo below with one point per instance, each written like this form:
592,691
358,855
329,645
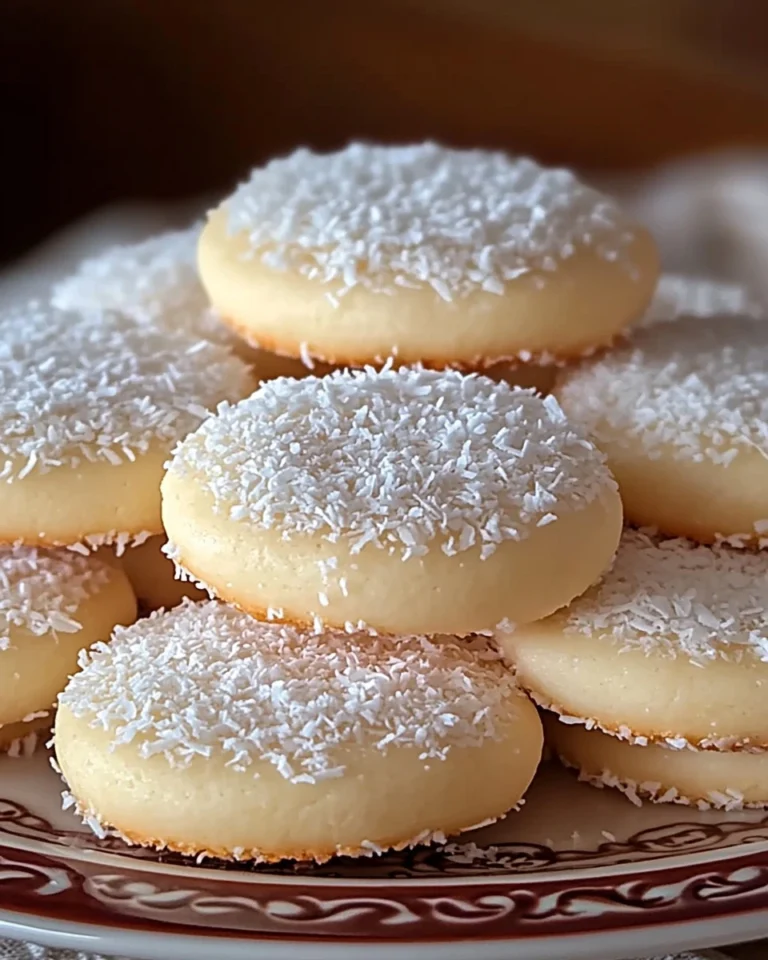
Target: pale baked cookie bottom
576,309
384,799
707,779
595,681
701,500
286,579
668,647
71,505
34,669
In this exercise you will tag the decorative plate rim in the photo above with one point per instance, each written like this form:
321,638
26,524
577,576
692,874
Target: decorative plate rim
35,886
680,878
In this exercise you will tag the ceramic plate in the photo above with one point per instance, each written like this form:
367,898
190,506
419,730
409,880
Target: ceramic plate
578,873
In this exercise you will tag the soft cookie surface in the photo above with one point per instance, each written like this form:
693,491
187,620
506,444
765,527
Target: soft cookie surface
413,501
432,255
681,412
156,282
53,603
671,646
91,406
240,739
707,779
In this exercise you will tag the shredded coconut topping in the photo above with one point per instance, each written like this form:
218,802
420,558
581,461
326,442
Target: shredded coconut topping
396,458
456,220
41,590
205,677
22,747
636,792
696,389
676,598
154,282
101,387
680,296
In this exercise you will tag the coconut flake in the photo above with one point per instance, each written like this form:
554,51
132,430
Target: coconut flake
696,390
23,746
102,388
205,677
41,590
425,216
154,282
676,598
395,458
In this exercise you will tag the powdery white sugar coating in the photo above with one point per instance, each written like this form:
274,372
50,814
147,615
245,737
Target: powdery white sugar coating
153,281
40,590
682,296
697,388
206,677
677,598
77,387
397,458
456,220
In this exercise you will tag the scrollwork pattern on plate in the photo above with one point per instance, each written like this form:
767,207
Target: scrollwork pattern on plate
40,880
451,860
524,906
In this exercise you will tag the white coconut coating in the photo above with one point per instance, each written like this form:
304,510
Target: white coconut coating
397,458
671,646
207,677
456,220
448,257
298,741
392,468
154,280
53,603
78,386
683,408
41,590
90,405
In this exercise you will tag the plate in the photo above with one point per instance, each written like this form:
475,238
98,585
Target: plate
578,873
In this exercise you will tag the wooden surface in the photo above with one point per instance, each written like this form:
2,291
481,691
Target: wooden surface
114,99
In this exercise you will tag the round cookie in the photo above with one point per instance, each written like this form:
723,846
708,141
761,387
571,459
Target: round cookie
429,254
405,501
233,738
671,647
681,413
91,406
707,779
153,577
53,603
156,282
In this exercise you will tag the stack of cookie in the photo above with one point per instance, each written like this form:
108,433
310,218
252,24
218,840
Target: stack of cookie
91,407
657,674
374,527
366,532
382,542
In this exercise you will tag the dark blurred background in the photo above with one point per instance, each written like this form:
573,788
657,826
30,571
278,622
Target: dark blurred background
108,101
